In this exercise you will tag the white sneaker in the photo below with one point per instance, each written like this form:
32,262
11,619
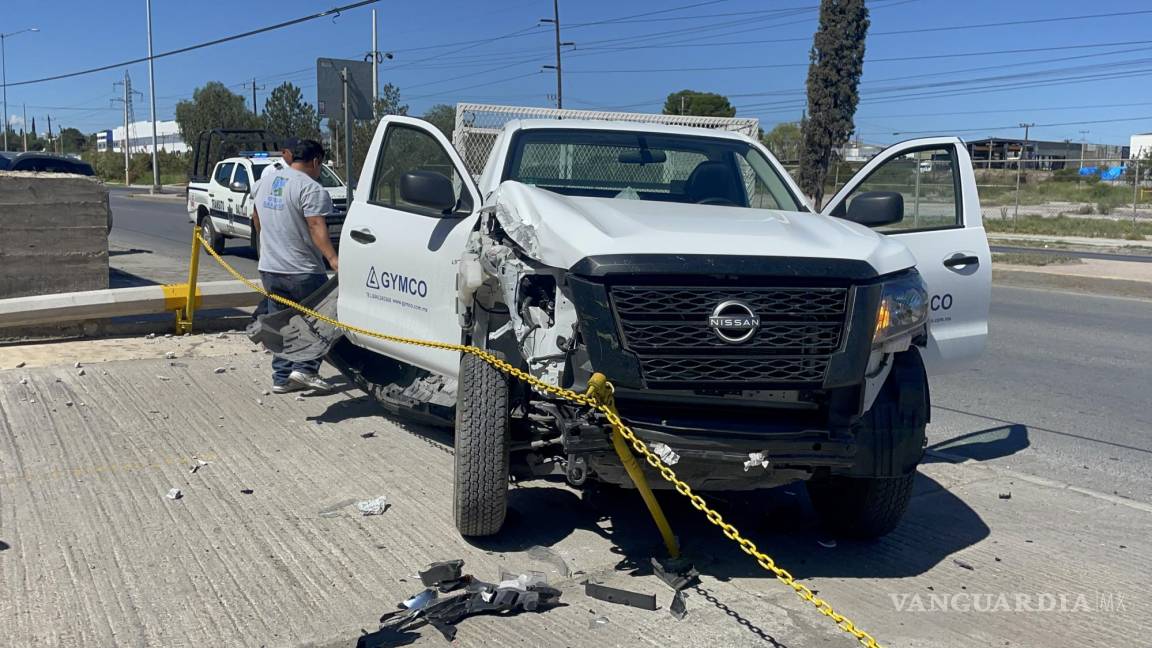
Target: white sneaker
310,381
287,388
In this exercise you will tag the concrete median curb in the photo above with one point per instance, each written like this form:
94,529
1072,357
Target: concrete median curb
1025,277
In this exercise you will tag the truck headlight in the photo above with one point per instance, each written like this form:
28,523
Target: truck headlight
903,307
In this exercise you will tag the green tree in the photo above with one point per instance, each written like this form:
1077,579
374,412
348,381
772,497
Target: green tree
784,140
836,63
442,116
213,106
72,140
287,114
363,131
691,102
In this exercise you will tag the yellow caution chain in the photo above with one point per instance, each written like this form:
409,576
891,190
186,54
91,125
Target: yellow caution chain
599,398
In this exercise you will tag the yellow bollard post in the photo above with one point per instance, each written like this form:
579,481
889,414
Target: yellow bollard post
185,314
601,390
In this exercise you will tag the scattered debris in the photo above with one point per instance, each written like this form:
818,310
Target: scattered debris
76,366
963,565
598,622
266,393
174,494
246,491
676,573
997,558
365,435
679,606
164,378
150,336
171,355
620,596
524,592
375,507
200,463
439,572
666,454
756,459
827,544
1005,495
167,335
220,370
80,373
259,401
20,365
68,403
222,336
23,381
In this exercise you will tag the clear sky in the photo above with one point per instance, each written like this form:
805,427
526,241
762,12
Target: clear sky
755,51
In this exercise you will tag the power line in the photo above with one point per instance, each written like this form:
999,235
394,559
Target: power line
335,12
1008,126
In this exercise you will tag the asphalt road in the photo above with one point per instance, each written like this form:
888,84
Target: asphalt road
150,243
1061,393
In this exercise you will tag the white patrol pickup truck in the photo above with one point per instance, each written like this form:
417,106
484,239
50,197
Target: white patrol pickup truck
221,206
758,340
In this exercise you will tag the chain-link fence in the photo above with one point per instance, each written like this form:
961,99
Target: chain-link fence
477,125
1113,188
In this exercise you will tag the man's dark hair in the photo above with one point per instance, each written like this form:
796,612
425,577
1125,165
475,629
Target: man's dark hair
307,150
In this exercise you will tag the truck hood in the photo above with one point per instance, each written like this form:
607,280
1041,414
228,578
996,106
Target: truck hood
561,230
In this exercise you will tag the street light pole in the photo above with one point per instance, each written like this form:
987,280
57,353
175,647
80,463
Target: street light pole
4,75
152,98
1020,166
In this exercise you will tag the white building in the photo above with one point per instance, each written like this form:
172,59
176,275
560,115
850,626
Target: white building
1140,145
140,138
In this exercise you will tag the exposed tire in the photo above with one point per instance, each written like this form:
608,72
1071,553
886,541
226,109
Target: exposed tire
870,502
209,234
483,438
861,507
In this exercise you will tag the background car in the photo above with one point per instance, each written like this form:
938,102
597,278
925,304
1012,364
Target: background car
44,163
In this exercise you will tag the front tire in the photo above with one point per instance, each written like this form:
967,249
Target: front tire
864,508
870,501
208,232
483,438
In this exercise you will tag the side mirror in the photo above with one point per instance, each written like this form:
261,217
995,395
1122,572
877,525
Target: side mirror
428,189
874,208
239,187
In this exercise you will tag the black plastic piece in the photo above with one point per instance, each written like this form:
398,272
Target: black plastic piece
620,596
438,572
598,331
428,189
676,573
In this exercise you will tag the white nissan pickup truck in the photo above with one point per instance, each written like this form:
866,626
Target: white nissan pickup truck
760,341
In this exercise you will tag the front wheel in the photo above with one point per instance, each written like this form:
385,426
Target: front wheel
208,233
483,438
861,507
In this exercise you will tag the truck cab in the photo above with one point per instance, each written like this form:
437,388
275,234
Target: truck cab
757,339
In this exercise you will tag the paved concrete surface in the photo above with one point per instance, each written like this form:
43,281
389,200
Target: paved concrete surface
93,554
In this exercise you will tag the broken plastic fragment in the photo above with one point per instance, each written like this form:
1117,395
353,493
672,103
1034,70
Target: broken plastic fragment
666,454
679,608
174,494
219,370
171,355
373,507
756,459
420,600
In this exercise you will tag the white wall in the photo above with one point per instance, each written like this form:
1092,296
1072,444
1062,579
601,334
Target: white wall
1141,145
167,138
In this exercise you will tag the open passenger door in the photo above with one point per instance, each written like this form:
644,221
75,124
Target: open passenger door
942,228
402,240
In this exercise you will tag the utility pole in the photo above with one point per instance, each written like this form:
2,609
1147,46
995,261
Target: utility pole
4,75
24,129
376,57
1020,166
555,21
682,98
1083,141
51,146
128,116
255,110
152,101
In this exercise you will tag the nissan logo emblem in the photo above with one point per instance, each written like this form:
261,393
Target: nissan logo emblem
734,322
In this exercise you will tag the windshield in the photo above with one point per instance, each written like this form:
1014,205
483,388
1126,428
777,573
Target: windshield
328,178
648,166
258,170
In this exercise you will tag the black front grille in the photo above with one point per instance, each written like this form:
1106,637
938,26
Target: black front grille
667,328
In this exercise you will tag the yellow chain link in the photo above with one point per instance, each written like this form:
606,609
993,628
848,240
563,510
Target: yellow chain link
605,404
